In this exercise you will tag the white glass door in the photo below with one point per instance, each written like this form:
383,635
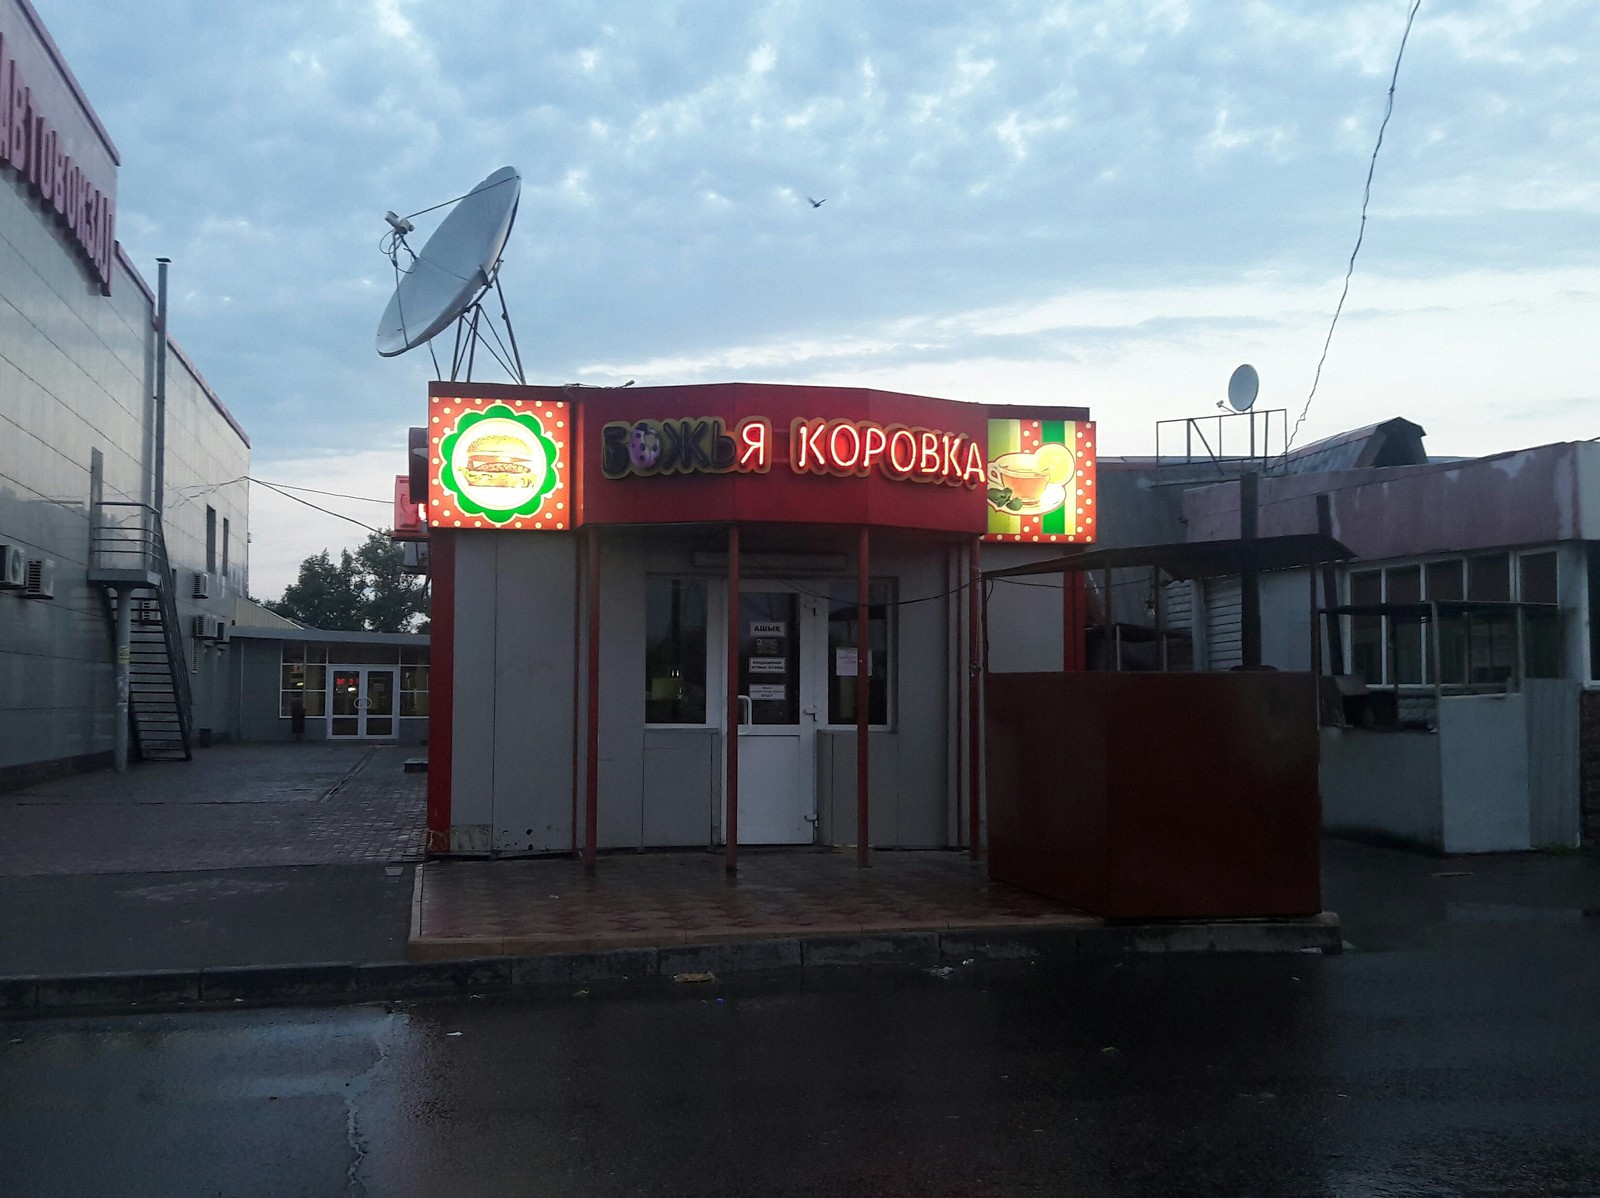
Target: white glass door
361,702
777,717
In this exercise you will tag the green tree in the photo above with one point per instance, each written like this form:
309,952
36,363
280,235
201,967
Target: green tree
367,591
391,599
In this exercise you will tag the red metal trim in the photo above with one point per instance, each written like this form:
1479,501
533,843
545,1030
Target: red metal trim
974,728
732,787
863,701
954,565
441,686
1073,621
591,819
577,673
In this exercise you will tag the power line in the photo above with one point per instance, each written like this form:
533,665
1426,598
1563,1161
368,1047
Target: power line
1366,197
314,491
316,508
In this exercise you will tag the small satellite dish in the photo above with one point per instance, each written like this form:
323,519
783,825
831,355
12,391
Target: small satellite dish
458,264
1242,388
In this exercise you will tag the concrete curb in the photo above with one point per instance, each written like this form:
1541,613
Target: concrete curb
346,982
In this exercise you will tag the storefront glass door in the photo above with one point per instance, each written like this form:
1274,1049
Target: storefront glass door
361,701
777,717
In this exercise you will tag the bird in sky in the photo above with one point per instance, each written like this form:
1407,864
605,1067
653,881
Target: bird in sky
816,203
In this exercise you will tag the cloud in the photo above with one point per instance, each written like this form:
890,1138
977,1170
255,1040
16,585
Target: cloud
1099,200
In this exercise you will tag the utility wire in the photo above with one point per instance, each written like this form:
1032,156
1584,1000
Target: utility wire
316,508
1366,197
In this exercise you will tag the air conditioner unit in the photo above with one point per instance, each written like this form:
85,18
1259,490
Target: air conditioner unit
202,585
13,568
41,580
205,628
224,632
146,611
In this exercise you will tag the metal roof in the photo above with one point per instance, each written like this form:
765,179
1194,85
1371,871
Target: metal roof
1196,559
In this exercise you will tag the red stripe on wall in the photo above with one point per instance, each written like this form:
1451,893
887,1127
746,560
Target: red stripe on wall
441,688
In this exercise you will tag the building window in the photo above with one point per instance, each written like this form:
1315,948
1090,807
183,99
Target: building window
224,546
1366,632
303,680
1476,646
211,540
675,651
413,682
1541,630
844,654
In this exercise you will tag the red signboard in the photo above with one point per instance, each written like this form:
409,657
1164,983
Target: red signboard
742,452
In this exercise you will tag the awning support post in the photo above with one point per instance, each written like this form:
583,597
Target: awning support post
863,701
731,785
591,819
976,609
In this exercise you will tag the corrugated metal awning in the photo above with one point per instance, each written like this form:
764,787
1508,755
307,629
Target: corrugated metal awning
1196,559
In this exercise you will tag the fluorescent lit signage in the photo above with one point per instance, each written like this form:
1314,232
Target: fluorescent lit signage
1041,480
842,448
499,464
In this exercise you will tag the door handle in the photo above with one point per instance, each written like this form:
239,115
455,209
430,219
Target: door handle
746,710
811,711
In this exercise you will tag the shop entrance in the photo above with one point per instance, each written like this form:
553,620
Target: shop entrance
361,702
779,693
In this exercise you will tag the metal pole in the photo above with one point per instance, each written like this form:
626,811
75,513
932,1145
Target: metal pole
161,385
591,821
124,656
1330,591
731,787
577,673
975,667
1249,580
863,699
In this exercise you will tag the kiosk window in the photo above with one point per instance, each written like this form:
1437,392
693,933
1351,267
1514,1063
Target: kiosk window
844,654
675,651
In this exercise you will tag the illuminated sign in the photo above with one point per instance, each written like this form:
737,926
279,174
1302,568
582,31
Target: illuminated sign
499,464
33,147
697,445
842,448
858,447
1041,481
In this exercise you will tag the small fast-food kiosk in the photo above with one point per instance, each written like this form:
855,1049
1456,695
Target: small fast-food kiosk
723,615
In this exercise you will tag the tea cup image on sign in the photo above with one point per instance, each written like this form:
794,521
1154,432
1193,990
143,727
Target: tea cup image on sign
1021,474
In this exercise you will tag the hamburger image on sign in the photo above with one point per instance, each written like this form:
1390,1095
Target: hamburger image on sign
499,464
499,460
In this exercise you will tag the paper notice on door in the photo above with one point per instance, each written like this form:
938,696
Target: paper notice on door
769,665
767,692
844,663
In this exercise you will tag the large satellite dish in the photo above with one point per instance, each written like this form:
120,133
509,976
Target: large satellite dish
1243,388
447,281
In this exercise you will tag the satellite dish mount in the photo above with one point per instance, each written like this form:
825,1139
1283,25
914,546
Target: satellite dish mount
450,279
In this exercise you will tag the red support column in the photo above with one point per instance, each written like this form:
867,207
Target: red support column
578,573
441,690
591,819
975,665
863,701
1073,621
731,785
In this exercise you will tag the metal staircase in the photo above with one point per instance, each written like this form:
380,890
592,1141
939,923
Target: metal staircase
128,560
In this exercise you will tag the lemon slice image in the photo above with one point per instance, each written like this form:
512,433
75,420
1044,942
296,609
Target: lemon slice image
1055,461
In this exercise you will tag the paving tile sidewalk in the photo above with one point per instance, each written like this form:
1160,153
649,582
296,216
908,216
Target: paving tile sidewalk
479,908
233,806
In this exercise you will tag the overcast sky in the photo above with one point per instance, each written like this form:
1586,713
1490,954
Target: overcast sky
1108,204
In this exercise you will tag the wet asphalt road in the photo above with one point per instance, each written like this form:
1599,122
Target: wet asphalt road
1455,1050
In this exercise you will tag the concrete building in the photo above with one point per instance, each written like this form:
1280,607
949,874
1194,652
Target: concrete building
110,517
1463,635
